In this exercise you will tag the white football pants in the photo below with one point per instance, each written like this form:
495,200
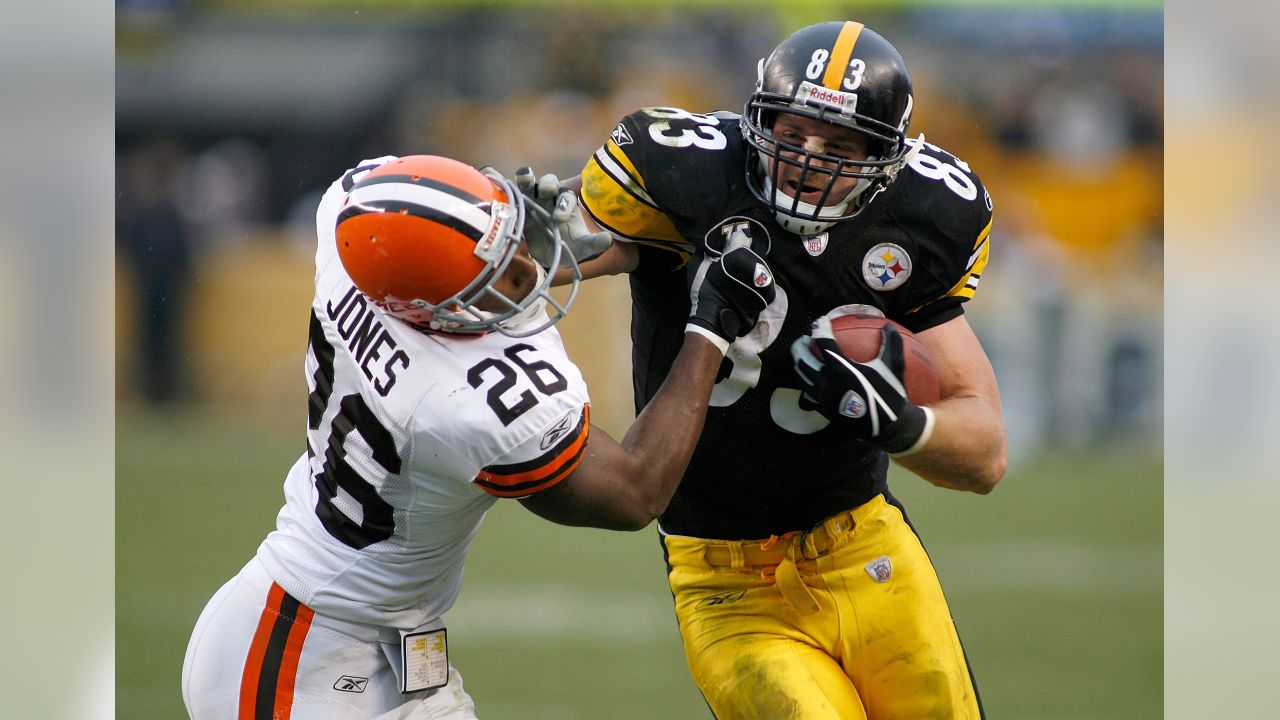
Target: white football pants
258,654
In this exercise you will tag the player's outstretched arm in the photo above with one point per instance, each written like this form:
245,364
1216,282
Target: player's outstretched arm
625,485
968,449
595,253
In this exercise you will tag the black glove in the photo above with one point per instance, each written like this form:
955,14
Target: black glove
728,294
868,398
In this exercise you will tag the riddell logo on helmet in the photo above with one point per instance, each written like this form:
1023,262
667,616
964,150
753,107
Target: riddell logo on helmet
846,102
489,247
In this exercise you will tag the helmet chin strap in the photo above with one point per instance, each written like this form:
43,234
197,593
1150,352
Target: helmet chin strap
535,310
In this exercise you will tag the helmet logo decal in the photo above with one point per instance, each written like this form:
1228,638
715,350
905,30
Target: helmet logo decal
810,94
620,136
737,231
815,244
886,267
489,248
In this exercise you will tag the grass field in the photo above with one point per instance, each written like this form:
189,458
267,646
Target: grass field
1055,581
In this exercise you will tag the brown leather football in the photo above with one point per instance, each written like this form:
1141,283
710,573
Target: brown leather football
859,339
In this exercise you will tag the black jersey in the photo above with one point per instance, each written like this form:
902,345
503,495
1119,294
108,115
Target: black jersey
674,182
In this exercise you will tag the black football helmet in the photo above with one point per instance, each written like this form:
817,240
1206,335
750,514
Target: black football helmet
841,73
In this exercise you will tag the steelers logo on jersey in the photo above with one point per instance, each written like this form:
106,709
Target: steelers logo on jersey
886,266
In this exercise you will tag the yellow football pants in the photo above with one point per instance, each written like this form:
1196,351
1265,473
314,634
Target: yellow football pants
844,621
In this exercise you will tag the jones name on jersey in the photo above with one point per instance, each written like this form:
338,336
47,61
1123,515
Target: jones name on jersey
411,439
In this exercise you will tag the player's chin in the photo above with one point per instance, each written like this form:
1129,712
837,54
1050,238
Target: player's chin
812,194
815,198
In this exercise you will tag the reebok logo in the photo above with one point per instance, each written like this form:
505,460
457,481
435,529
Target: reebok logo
351,684
722,598
557,431
620,135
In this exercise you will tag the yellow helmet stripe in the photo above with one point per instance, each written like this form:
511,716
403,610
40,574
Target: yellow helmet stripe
841,53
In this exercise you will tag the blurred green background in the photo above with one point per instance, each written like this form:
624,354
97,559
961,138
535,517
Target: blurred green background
232,116
1054,580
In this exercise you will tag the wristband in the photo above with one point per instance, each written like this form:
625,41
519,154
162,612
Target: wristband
926,432
721,344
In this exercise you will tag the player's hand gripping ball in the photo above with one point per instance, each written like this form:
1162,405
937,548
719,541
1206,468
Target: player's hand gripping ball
868,398
859,337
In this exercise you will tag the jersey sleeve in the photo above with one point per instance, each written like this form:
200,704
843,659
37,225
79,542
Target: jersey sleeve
960,225
541,461
614,190
659,170
976,263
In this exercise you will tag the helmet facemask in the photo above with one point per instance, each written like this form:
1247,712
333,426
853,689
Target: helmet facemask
819,170
521,317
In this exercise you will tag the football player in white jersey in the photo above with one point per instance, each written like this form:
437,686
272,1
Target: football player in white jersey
438,385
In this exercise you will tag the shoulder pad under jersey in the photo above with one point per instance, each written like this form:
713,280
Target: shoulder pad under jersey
659,168
942,202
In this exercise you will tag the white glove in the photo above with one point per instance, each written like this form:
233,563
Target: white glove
562,204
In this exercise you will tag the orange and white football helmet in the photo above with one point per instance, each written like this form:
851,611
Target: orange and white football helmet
427,238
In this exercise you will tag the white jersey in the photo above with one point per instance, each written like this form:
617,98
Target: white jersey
411,438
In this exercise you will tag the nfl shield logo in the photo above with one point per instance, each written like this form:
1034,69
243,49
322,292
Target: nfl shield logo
762,278
815,244
852,405
880,569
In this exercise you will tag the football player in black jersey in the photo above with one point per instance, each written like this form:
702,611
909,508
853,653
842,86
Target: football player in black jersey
801,590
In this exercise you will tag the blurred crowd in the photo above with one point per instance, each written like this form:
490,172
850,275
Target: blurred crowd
1060,112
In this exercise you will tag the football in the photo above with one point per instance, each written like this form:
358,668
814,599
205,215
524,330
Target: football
859,339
